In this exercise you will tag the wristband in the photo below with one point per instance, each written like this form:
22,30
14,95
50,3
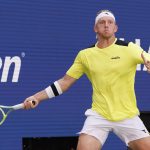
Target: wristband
53,90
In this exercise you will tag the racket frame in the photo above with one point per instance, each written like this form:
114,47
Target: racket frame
10,109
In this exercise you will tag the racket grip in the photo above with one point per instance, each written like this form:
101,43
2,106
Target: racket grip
18,106
34,103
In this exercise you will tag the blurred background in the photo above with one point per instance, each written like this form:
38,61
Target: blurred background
40,39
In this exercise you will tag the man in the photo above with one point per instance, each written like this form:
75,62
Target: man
110,65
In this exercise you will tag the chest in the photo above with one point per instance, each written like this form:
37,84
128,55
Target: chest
103,63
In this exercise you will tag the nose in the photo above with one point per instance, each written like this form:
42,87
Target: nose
106,24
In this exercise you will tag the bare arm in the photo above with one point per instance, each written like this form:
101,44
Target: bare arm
65,83
146,63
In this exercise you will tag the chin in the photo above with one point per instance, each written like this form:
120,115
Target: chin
107,36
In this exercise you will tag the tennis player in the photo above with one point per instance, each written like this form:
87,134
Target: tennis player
110,65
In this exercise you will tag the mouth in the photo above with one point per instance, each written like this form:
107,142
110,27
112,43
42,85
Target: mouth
106,30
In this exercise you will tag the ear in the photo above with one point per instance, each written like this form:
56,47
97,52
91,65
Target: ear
116,28
95,29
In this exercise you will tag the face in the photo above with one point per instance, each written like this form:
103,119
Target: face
105,27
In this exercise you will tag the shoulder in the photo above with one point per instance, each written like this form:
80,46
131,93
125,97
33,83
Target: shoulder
135,47
85,52
122,43
127,44
87,49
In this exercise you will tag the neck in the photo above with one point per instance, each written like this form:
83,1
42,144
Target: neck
105,42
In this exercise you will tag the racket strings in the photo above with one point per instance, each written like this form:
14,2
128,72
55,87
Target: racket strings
5,110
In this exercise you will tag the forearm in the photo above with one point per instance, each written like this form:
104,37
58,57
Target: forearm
48,93
51,91
64,83
61,86
40,96
55,89
43,95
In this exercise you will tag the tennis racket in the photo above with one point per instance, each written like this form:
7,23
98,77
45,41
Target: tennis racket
6,110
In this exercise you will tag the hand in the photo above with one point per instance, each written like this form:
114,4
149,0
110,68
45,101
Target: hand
146,63
30,102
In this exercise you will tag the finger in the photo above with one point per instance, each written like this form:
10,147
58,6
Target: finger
30,102
33,103
27,105
148,62
144,59
148,70
147,65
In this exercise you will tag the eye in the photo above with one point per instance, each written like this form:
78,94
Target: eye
110,22
102,22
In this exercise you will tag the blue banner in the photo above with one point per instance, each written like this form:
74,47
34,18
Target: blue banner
38,43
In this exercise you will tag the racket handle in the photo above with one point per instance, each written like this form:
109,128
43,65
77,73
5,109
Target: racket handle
34,103
18,106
